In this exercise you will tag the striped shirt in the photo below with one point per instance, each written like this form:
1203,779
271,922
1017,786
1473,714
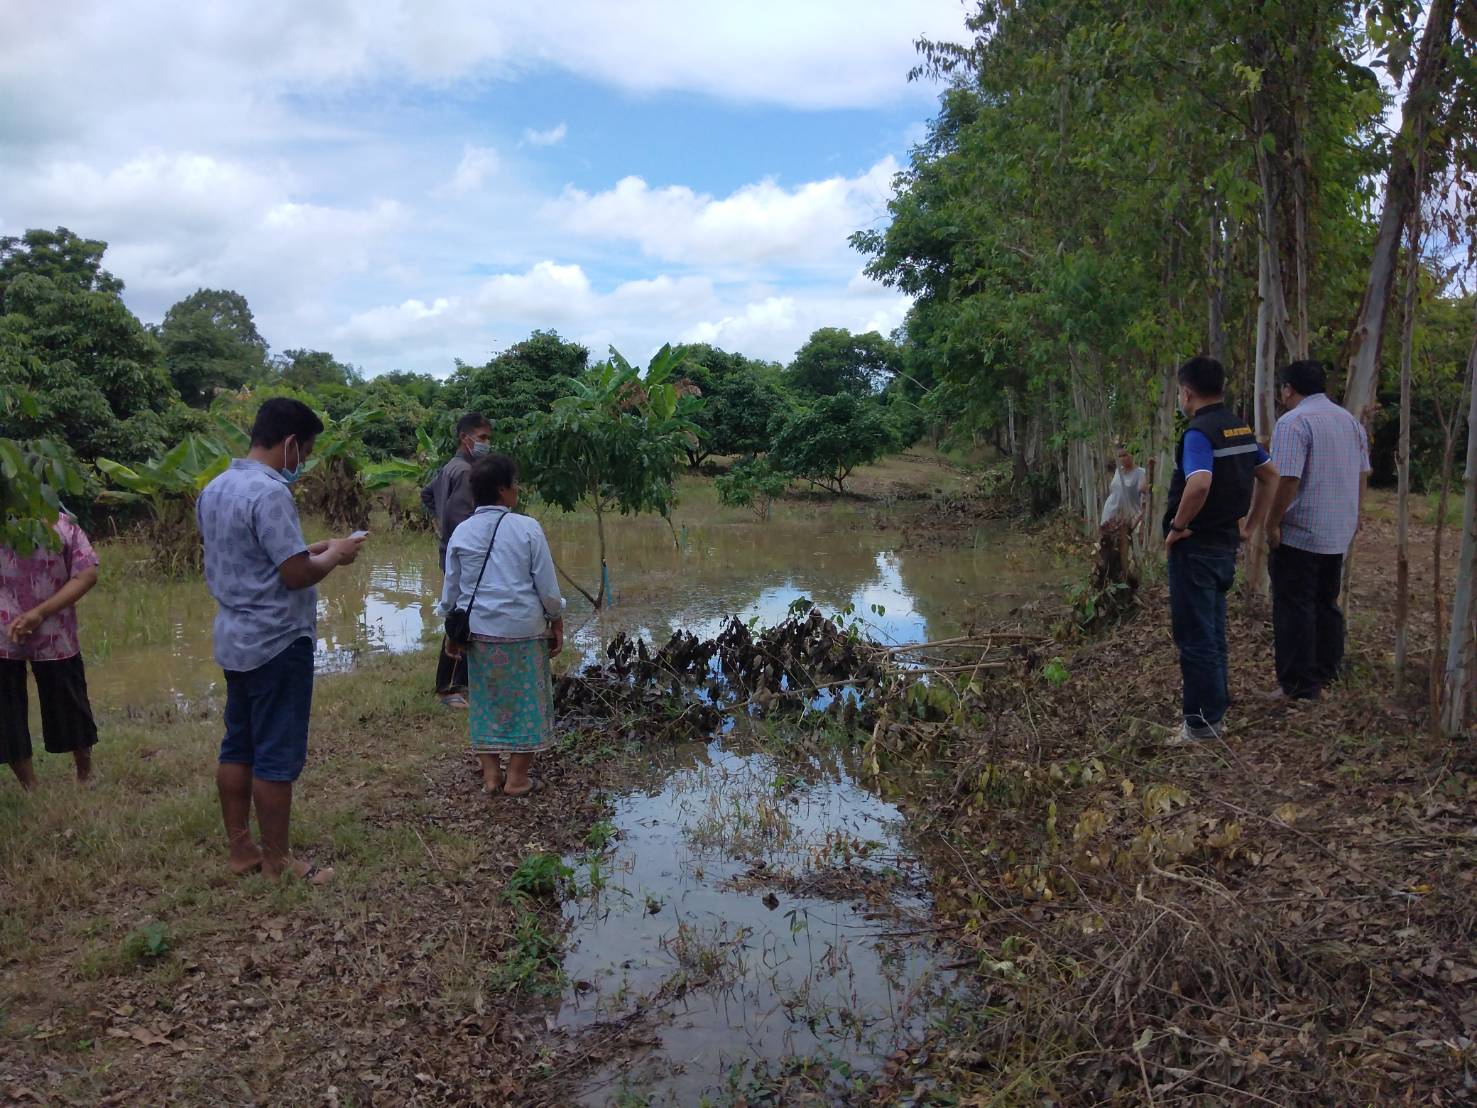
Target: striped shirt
1326,448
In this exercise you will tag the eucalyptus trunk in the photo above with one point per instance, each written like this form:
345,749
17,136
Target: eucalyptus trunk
1407,350
1402,462
1459,646
1438,619
1402,191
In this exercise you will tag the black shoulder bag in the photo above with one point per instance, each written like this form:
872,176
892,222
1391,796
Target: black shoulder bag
459,620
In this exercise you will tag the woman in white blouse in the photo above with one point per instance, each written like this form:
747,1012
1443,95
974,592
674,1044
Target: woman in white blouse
517,622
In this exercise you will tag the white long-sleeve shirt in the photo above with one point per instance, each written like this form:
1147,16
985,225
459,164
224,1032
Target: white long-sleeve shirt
519,591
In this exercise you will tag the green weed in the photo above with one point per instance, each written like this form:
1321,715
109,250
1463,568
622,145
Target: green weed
145,944
533,965
540,874
600,835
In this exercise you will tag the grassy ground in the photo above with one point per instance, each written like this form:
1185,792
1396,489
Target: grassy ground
138,970
135,969
1285,917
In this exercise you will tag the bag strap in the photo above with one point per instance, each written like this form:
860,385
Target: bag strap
471,603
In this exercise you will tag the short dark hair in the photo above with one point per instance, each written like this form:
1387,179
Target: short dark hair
1308,377
282,416
1203,376
491,474
470,424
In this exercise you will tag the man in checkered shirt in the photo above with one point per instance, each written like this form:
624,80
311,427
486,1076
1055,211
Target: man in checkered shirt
1322,455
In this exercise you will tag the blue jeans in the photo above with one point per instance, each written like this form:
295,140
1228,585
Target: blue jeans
266,714
1199,578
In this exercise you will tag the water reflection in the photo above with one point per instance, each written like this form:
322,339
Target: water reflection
149,642
753,910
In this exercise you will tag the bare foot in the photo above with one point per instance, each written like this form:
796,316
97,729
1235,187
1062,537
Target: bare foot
246,862
492,773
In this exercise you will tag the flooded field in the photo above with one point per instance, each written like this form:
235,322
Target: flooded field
752,914
739,917
148,642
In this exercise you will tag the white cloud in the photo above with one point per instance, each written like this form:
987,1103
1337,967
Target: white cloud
175,222
775,326
306,155
552,137
757,224
546,294
477,164
222,63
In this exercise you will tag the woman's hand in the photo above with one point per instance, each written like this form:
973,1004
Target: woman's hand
556,638
453,649
25,624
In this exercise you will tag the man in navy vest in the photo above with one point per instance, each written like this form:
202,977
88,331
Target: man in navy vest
1222,487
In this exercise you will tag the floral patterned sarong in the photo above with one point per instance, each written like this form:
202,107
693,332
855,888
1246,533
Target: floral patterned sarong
511,690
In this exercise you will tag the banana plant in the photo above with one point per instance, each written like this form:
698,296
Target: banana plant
168,486
34,474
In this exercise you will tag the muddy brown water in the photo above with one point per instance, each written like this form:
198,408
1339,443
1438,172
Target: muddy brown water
750,910
149,642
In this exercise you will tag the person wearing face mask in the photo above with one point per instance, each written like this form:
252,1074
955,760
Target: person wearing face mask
449,500
262,573
1222,487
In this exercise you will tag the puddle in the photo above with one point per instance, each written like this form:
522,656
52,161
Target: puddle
149,642
752,911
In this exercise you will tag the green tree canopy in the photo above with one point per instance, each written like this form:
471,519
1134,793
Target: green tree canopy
394,435
743,399
96,371
423,388
524,379
70,262
314,369
824,442
211,342
834,361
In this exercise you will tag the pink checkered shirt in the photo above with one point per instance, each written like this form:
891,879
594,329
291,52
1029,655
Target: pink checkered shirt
1326,448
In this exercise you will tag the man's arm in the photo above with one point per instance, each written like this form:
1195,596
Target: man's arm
307,568
1263,496
460,503
1287,490
1197,488
1198,458
25,624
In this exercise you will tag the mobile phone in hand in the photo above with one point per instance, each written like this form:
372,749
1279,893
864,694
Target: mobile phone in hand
360,535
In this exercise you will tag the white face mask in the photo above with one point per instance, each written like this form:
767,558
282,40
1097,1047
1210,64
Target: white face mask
296,471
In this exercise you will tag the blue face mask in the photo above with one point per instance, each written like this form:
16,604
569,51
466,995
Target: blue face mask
291,475
480,449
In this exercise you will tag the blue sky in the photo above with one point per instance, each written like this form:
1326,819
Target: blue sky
405,183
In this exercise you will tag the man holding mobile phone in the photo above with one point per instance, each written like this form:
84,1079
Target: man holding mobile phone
262,573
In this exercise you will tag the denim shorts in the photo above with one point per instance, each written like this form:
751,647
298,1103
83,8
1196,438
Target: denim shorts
267,711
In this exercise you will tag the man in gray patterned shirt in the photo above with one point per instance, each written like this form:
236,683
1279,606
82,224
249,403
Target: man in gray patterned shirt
261,572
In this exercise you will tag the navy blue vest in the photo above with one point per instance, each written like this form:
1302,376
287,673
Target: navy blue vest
1234,450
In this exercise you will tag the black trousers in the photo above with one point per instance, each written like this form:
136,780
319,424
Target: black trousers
1306,622
66,715
451,673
